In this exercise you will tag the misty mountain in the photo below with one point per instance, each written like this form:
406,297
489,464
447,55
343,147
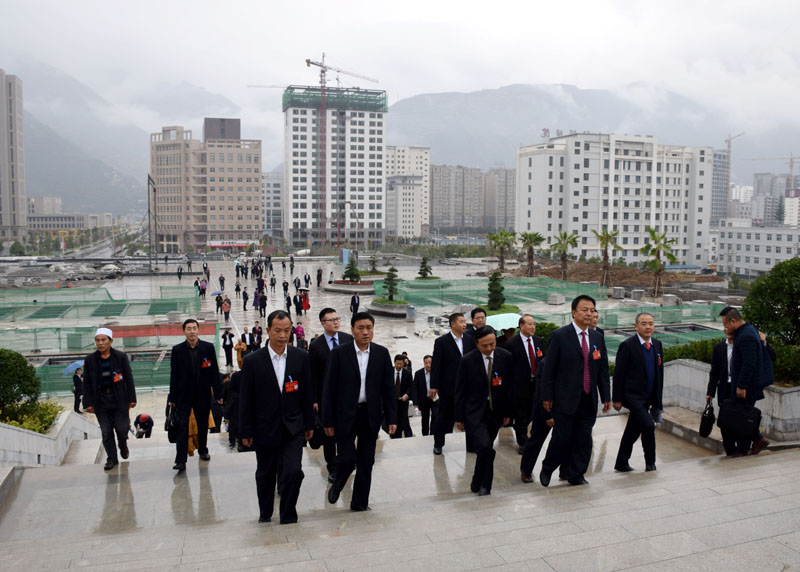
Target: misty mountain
56,167
484,128
185,103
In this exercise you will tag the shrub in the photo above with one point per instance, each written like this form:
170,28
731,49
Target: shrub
786,368
496,297
424,268
18,381
391,283
38,417
544,329
700,350
771,304
351,271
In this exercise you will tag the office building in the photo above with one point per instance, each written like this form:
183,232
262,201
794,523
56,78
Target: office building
457,196
720,190
768,209
13,203
44,206
69,221
791,211
272,207
751,251
742,193
221,128
413,161
500,192
586,182
344,195
403,197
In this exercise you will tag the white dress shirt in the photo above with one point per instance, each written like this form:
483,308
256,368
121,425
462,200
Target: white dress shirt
578,331
279,365
363,361
729,349
459,342
428,381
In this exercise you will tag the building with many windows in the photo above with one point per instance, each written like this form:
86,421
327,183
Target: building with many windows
13,204
272,208
457,197
720,186
586,182
344,194
500,191
69,221
44,206
416,162
403,198
749,251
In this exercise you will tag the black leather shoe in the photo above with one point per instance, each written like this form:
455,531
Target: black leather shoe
544,478
262,520
649,468
124,452
521,449
180,467
474,487
289,521
357,508
110,465
525,477
437,450
205,457
626,468
483,492
331,478
562,477
578,482
333,494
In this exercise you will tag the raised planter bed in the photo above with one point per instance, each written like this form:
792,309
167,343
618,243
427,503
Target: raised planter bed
391,310
346,287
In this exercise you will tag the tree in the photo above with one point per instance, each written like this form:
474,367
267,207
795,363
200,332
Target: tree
490,242
606,239
496,297
351,271
390,283
17,249
18,383
771,305
503,240
373,264
564,241
530,240
425,269
657,247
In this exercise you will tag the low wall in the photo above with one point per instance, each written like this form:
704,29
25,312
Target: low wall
23,447
685,383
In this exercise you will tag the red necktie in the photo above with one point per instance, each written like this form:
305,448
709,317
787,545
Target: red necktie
647,346
532,357
587,383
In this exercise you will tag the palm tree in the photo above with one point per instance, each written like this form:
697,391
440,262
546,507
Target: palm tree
658,246
563,243
490,242
530,240
607,239
503,240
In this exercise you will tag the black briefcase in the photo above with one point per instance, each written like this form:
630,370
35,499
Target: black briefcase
707,420
316,439
739,418
171,423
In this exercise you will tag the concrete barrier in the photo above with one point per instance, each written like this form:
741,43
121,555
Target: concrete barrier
22,447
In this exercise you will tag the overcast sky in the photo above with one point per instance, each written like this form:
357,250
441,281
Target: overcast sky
741,56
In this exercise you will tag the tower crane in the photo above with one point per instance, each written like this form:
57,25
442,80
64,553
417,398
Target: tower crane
322,154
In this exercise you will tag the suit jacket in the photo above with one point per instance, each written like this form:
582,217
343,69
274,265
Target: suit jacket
264,411
343,384
446,359
630,375
419,388
249,339
718,376
258,333
298,300
522,384
124,389
746,361
182,380
562,379
318,352
355,301
472,387
405,382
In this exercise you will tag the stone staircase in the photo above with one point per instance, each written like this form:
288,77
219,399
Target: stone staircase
697,512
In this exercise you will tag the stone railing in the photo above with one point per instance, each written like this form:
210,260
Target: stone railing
22,447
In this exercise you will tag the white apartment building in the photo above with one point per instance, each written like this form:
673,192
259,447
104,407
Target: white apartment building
791,211
13,204
743,193
414,161
720,189
590,181
44,206
457,197
70,221
272,207
403,196
345,194
751,251
500,192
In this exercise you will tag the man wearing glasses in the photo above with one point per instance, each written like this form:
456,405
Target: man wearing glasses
318,352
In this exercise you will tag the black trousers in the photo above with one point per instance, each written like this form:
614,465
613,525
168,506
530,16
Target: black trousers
572,440
77,404
533,446
743,445
112,420
403,425
244,305
359,457
201,404
482,438
445,419
640,423
428,410
522,417
329,452
228,355
281,464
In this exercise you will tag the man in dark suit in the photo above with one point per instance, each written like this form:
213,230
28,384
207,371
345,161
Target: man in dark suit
407,362
258,334
478,317
595,321
638,386
402,385
447,353
77,389
483,402
357,393
194,374
575,371
355,302
297,299
318,353
422,395
527,351
541,424
249,340
276,415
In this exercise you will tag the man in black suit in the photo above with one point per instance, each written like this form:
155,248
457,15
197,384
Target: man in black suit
355,302
402,385
541,424
527,352
318,353
358,392
638,386
483,402
478,317
276,415
422,395
249,340
595,321
194,374
447,353
719,384
258,334
297,299
407,362
575,370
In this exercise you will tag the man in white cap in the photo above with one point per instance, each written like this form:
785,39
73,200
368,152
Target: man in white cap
109,393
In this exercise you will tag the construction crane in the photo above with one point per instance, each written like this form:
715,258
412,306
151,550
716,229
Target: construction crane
790,159
728,141
323,120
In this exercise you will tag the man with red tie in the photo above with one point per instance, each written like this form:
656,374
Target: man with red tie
575,371
527,351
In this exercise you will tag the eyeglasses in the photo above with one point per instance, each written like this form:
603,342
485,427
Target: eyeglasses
333,320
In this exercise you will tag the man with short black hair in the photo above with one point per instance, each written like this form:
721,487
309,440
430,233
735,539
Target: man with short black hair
448,350
194,378
478,318
527,352
402,385
422,398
